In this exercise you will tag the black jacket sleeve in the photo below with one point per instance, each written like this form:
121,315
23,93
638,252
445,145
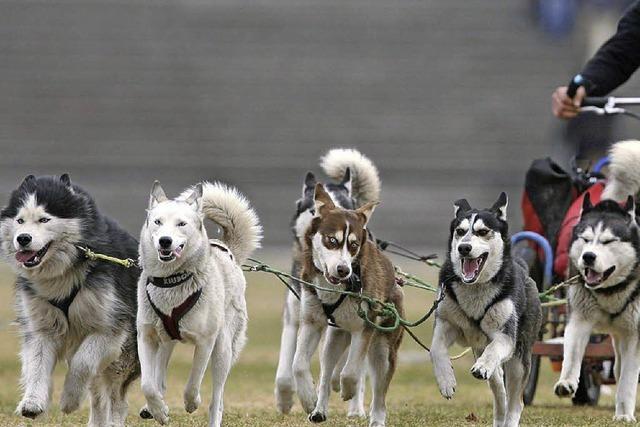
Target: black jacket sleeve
618,58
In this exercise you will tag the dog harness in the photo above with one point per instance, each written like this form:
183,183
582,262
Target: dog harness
619,288
496,299
353,285
64,304
171,322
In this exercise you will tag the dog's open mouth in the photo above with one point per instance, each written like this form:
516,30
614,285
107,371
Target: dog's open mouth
593,278
471,267
331,279
166,255
31,259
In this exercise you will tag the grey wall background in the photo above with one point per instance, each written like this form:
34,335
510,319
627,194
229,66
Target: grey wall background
450,98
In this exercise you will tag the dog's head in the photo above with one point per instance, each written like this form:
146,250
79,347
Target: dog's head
45,219
340,193
478,240
605,245
336,236
174,229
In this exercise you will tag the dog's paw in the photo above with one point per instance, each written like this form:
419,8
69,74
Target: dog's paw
284,394
30,407
565,388
70,401
482,371
356,413
159,412
624,418
447,386
145,414
191,401
317,417
348,387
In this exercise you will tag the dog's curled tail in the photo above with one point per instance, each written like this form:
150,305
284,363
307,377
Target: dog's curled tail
231,210
624,171
365,180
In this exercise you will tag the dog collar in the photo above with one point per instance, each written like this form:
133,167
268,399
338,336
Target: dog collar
170,281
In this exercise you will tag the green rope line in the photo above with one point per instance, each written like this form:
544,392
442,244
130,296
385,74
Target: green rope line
93,256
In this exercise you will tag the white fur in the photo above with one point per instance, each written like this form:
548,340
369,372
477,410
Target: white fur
365,179
624,171
216,325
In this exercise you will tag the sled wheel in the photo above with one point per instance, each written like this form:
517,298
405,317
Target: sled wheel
588,391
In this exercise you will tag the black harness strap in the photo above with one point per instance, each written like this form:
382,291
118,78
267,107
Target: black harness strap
353,285
222,248
64,304
171,322
631,298
170,281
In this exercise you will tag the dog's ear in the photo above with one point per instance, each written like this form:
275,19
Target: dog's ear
27,180
460,207
630,207
157,195
309,183
347,181
323,202
500,206
586,204
64,178
195,197
366,211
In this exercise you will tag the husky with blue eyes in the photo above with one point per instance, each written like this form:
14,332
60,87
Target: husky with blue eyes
192,290
491,305
605,251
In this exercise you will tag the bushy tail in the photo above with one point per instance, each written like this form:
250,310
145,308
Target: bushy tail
228,208
365,181
624,171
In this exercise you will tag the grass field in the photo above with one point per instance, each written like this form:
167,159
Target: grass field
414,399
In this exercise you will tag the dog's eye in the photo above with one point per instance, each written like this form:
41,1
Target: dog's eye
606,242
157,222
482,232
20,221
333,240
460,231
44,220
586,239
354,244
181,224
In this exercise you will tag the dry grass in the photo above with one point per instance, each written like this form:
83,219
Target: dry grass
413,401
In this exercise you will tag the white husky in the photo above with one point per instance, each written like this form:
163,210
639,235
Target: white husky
192,290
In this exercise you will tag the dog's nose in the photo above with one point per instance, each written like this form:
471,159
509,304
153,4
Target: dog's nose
464,249
165,242
24,239
589,258
343,270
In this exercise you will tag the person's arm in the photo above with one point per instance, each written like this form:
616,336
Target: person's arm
618,58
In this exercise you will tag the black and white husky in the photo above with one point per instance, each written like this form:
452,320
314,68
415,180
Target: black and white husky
490,305
70,308
355,183
192,290
606,252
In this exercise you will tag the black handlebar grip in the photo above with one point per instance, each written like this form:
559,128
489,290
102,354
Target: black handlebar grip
595,101
574,84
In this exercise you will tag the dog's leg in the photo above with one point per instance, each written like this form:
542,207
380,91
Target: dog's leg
356,404
496,382
515,377
95,353
334,345
444,335
284,377
38,356
350,376
495,353
335,377
576,337
308,340
119,405
628,383
617,357
99,415
147,351
381,368
201,357
162,362
221,359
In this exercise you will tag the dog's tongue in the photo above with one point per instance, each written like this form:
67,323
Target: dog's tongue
469,266
24,256
593,277
178,251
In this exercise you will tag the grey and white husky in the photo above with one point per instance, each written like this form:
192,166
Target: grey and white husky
70,308
606,252
490,304
192,290
355,182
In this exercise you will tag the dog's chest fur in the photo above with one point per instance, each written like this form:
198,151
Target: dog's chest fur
618,311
